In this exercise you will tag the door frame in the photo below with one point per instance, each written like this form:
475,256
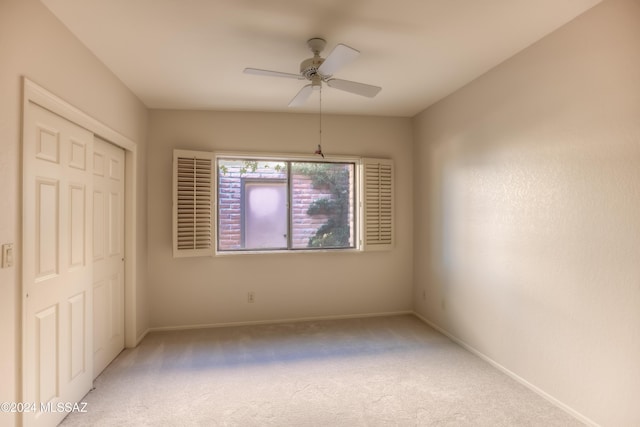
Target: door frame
33,93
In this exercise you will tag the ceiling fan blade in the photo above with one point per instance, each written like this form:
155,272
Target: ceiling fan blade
340,56
302,96
260,72
354,87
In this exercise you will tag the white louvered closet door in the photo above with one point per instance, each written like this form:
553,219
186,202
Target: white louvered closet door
377,204
193,203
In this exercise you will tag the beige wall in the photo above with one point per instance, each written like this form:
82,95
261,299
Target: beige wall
34,44
195,291
527,214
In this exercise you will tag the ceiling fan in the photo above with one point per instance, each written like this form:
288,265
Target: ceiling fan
318,70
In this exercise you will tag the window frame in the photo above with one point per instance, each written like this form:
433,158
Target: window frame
292,158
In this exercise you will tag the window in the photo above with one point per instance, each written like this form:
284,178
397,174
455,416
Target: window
266,204
238,203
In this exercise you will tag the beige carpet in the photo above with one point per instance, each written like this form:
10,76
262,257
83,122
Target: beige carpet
385,371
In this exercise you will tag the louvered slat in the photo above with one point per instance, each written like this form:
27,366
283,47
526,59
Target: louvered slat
193,209
378,204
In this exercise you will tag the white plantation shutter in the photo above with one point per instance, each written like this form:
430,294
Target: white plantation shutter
193,183
377,204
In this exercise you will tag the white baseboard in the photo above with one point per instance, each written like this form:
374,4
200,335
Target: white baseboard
512,374
276,321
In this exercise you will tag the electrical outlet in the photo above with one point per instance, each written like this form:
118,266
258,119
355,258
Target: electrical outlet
251,297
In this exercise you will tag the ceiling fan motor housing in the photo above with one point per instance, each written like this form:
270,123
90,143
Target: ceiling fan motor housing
309,67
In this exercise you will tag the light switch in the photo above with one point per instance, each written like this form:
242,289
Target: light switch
7,255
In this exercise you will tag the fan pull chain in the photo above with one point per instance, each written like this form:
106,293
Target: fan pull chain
319,150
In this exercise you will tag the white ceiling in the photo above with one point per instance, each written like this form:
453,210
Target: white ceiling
189,54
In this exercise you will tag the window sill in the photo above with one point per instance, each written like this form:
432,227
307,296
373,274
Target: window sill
289,252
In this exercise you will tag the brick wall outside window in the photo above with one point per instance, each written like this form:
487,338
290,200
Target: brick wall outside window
305,226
